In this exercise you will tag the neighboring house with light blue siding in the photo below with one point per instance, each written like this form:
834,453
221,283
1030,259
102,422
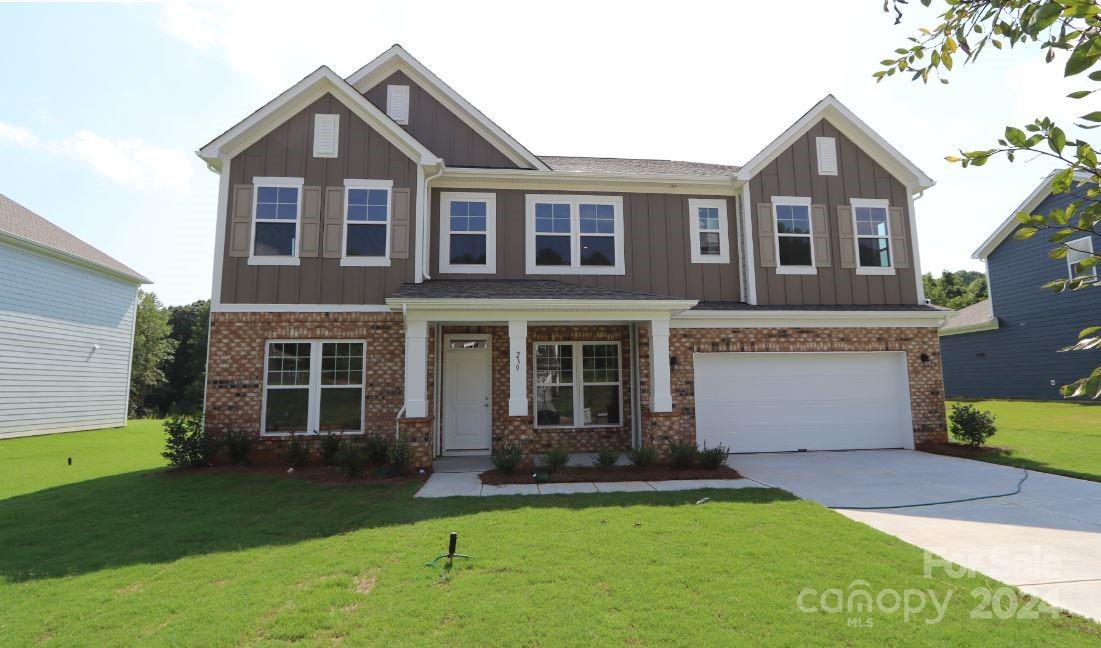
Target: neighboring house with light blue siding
1008,346
66,329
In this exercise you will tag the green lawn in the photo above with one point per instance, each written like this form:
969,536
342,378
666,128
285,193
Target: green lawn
113,551
1056,437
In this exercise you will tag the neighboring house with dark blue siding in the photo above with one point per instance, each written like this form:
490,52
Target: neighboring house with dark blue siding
1007,346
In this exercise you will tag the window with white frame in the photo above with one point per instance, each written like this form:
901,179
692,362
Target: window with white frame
313,386
468,232
577,384
569,234
277,208
367,222
708,228
1078,251
794,234
872,229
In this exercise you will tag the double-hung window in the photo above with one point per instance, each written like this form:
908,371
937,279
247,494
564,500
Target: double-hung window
313,386
1078,251
277,212
577,384
568,234
367,222
794,235
468,232
872,229
707,227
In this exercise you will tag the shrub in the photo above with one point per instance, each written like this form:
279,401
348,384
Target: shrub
377,449
401,456
350,458
330,444
508,458
238,445
642,458
296,452
187,443
606,458
682,455
971,426
713,458
556,458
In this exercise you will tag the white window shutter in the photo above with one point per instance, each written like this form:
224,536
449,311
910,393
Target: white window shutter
827,156
326,134
397,103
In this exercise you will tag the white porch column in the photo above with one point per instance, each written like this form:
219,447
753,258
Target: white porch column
517,368
416,368
662,398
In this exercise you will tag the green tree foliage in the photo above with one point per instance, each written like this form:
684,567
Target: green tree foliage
153,348
955,290
964,30
185,372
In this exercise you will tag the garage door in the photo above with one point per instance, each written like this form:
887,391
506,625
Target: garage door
775,402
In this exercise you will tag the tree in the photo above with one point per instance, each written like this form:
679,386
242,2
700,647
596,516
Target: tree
965,29
185,372
955,290
153,347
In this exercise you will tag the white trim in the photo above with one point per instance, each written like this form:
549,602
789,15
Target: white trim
490,200
536,180
873,203
755,318
826,150
130,365
300,308
748,246
991,324
416,368
1038,195
313,415
866,270
577,385
795,270
793,201
322,120
1084,246
292,259
850,126
397,58
575,234
397,103
220,236
694,204
372,261
661,392
915,262
518,363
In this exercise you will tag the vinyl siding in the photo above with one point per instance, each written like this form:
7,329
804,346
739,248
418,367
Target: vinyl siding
51,315
1020,358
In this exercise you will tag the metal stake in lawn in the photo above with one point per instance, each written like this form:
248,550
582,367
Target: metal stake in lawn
450,555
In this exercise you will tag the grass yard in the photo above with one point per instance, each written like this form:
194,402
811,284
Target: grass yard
113,551
1056,437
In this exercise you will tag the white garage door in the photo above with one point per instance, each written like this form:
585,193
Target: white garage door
775,402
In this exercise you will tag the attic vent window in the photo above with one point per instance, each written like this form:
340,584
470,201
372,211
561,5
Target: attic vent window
827,156
326,133
397,103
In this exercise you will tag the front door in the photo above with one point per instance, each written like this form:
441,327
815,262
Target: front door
466,394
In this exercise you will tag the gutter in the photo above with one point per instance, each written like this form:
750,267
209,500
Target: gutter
590,305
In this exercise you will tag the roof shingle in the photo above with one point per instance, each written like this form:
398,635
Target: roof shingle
976,313
635,166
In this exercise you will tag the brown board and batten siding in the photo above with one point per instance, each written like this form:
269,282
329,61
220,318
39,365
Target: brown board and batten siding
439,129
657,257
795,173
287,151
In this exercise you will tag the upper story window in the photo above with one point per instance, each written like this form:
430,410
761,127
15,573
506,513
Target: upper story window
397,103
794,235
707,225
1078,251
367,222
569,234
872,226
468,232
277,210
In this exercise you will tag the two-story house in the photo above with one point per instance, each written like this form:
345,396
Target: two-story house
1007,346
390,261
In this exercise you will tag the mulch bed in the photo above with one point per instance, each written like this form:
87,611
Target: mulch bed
575,474
314,473
961,450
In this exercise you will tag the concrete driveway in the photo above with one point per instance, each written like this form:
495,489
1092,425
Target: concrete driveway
1046,540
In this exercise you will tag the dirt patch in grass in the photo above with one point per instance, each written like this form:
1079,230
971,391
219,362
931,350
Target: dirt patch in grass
316,473
574,474
964,451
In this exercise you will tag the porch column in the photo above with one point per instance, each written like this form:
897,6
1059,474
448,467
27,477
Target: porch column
517,368
416,368
662,399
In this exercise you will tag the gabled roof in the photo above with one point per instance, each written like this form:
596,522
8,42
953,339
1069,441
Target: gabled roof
976,317
636,166
1038,195
275,112
850,126
396,58
21,226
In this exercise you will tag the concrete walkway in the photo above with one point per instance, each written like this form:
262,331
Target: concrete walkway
1046,540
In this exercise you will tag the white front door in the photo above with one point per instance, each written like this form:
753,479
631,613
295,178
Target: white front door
466,394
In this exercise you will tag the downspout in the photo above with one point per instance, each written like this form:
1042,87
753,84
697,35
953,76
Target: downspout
424,219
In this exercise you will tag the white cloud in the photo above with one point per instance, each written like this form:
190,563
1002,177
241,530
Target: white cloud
16,135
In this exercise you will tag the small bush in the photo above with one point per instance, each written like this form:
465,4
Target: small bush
682,455
187,443
377,449
401,456
971,426
238,445
556,458
508,458
350,458
296,452
713,458
642,458
330,444
606,458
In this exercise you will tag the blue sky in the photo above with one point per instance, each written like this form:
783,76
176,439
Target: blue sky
104,105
